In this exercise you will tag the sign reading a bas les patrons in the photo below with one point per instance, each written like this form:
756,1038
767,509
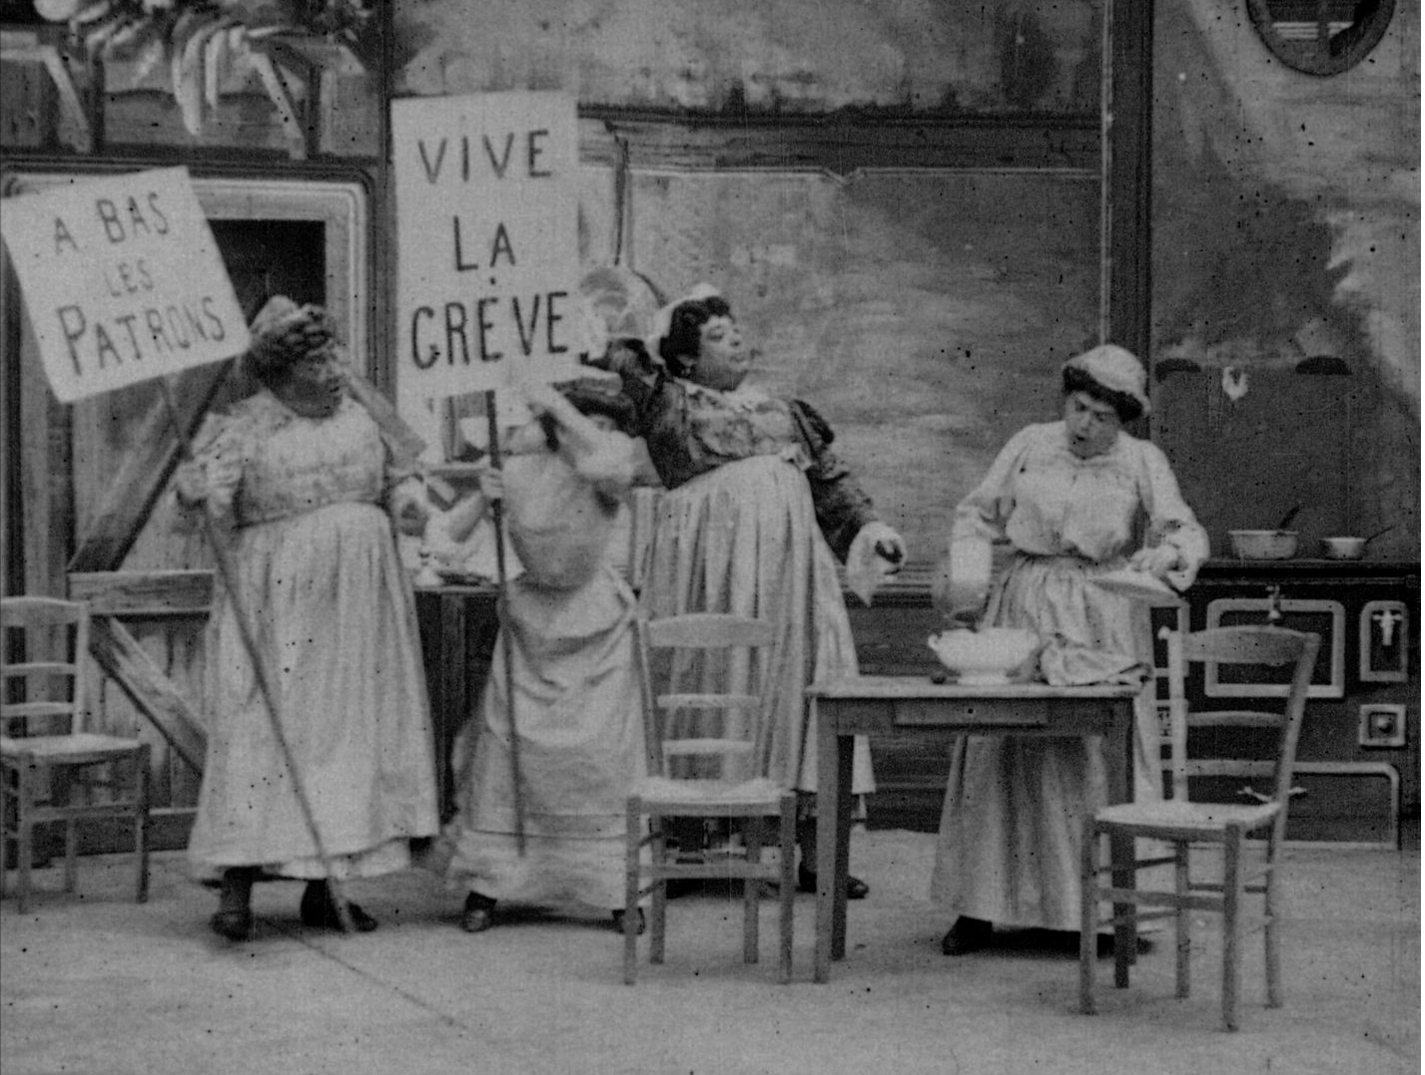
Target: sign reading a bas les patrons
122,280
487,240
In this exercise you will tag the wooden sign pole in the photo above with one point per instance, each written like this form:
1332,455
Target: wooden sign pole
507,656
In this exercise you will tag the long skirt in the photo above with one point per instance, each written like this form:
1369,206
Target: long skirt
330,609
578,713
1012,822
744,539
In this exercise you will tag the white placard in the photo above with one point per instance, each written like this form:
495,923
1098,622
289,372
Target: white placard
487,241
122,280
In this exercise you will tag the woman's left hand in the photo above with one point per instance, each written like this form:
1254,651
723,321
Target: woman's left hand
1157,561
877,552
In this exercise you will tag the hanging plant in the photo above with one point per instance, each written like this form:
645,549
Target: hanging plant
203,42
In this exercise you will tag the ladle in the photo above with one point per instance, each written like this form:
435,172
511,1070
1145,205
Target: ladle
1289,516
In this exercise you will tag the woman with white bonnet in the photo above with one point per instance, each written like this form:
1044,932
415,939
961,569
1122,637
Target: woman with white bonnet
1075,499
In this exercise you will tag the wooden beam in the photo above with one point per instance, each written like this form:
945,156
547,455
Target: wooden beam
840,143
144,593
145,474
121,657
1130,181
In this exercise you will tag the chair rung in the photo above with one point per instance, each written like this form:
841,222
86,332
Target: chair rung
1137,864
26,710
761,871
673,747
1215,886
28,668
708,701
710,808
1140,916
1158,899
41,813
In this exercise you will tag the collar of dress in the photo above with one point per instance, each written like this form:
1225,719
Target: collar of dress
741,398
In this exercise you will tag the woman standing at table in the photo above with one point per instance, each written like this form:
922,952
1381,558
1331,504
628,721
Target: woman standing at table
1075,499
757,512
305,490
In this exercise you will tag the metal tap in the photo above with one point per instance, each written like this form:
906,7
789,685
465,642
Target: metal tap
1274,606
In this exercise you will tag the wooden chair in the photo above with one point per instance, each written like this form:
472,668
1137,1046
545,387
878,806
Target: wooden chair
1184,823
51,767
738,788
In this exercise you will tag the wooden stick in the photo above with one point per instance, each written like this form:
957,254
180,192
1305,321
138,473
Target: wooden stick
264,686
507,657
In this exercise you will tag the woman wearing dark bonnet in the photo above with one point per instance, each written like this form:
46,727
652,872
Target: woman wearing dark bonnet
303,489
757,513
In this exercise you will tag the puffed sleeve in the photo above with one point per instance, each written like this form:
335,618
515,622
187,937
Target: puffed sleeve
608,464
1170,520
842,507
220,449
962,579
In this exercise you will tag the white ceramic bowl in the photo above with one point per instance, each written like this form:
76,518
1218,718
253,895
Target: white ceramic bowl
990,655
1263,544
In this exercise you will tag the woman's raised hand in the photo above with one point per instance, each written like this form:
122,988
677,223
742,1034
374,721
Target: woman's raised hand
492,483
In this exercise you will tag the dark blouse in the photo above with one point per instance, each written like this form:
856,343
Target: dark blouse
691,430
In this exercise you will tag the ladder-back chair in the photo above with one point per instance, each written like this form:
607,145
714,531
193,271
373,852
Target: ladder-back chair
1183,823
51,766
729,728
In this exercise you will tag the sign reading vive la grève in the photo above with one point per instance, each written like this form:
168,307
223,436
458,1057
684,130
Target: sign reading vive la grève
122,281
487,241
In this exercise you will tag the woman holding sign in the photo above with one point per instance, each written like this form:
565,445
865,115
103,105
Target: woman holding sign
304,488
567,621
758,511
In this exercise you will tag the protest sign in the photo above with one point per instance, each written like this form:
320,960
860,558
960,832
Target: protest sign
122,281
487,241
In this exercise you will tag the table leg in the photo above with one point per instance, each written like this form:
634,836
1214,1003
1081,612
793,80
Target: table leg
1121,851
845,755
828,773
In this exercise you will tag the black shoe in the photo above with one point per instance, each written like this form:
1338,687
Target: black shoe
967,935
479,913
318,910
678,887
856,889
1103,945
619,921
235,925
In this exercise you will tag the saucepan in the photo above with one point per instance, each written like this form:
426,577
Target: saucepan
1277,544
1349,548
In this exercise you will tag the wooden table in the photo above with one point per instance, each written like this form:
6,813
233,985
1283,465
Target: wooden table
863,705
458,627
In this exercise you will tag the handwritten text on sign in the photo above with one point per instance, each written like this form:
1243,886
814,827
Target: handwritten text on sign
487,240
122,280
